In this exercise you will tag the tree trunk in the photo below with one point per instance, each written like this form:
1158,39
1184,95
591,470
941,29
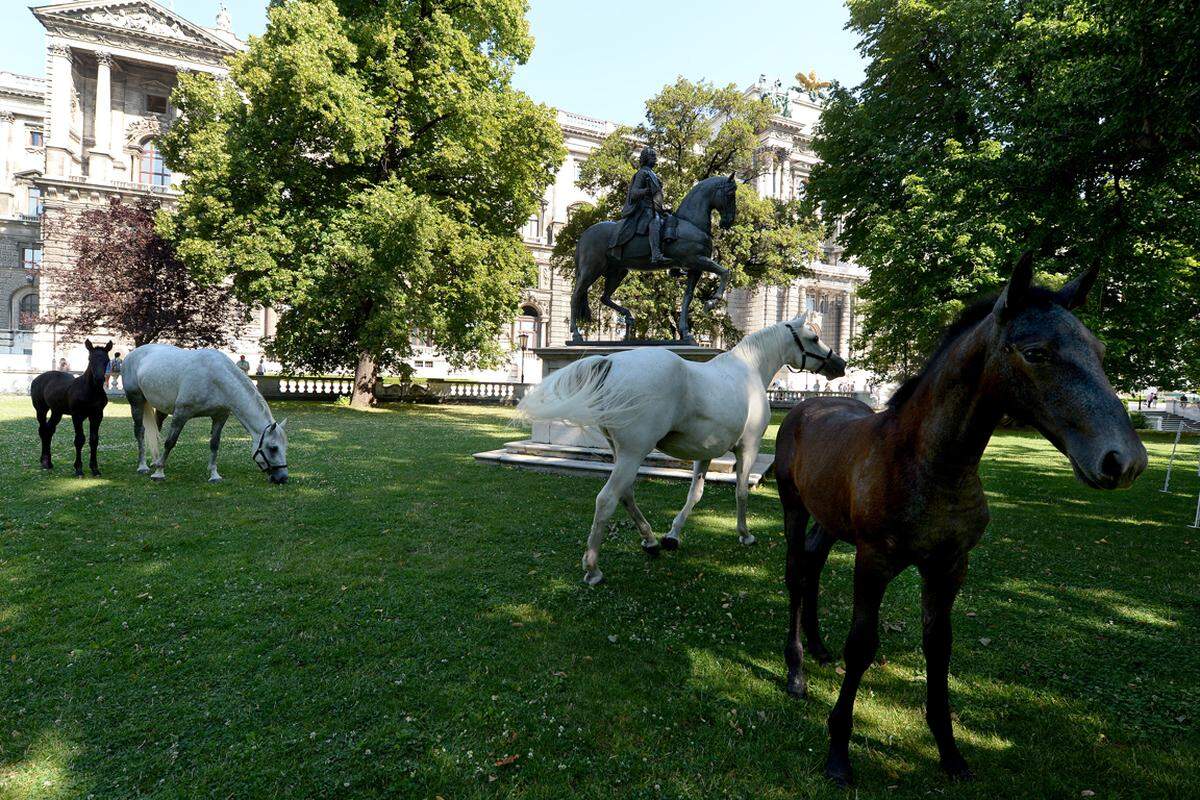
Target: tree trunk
366,373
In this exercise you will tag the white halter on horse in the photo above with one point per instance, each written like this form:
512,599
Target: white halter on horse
650,397
161,379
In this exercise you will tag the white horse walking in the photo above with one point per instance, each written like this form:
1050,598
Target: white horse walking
650,397
161,379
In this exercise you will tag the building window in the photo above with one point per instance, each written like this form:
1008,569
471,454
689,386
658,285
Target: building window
31,260
27,311
531,229
35,206
36,137
529,325
156,104
152,170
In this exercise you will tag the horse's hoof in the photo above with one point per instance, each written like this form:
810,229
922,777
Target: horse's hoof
143,470
78,473
839,773
95,473
652,550
593,578
958,770
669,542
748,539
158,478
796,685
47,466
216,479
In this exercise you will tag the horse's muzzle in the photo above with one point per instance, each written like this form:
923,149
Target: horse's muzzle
835,367
278,476
1108,465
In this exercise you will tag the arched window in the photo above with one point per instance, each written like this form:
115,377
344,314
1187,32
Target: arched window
529,324
25,309
152,170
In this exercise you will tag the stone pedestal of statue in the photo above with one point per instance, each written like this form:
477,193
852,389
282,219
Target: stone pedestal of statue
562,448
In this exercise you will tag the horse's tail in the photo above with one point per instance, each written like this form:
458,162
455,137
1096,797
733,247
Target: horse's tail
583,393
150,430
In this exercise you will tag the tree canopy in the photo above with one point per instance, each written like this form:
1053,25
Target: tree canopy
365,170
125,278
698,130
983,128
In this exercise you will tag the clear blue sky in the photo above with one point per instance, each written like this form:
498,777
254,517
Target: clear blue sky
596,58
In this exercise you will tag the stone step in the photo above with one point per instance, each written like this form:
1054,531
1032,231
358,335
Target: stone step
562,464
584,453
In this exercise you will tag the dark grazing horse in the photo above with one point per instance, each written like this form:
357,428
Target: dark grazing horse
902,485
56,393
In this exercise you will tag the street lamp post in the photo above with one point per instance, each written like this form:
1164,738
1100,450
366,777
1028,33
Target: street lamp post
523,338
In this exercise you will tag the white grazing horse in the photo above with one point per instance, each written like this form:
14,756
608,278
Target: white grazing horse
650,397
161,379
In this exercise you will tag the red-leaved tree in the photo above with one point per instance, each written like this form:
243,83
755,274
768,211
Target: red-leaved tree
126,278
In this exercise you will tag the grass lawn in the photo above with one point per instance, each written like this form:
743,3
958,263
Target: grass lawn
399,621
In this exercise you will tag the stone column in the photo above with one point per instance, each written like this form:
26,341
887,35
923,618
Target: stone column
7,147
58,148
100,158
844,327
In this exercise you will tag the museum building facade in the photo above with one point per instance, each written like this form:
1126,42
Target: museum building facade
88,131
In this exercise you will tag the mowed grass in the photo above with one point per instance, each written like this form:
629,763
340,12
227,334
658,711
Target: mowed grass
400,621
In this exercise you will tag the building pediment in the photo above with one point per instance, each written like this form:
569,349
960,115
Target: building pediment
137,24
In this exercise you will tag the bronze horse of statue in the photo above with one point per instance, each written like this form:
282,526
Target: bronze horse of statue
688,250
903,487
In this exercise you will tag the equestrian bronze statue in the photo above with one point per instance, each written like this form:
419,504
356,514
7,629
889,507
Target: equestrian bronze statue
647,238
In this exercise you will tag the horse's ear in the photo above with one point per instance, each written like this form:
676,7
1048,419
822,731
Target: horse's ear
88,344
1016,293
108,347
282,423
1075,293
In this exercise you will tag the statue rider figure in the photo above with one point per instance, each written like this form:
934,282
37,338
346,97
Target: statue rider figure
643,210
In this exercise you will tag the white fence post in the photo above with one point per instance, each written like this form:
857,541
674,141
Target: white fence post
1171,461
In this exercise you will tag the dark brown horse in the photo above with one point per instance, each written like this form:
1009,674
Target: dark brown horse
903,485
56,393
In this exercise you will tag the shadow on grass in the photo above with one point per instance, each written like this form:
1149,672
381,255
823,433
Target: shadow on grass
400,620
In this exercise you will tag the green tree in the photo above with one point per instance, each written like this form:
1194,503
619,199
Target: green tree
984,127
365,170
699,130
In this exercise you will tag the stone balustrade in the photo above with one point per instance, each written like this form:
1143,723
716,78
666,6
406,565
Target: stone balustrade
787,398
288,387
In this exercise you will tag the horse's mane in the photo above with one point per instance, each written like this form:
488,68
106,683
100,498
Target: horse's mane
698,190
762,340
971,316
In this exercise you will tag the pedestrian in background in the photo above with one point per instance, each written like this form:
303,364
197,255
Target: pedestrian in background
112,374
